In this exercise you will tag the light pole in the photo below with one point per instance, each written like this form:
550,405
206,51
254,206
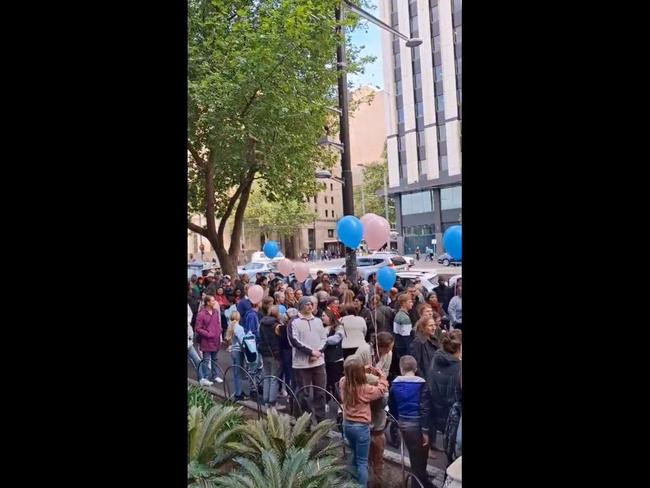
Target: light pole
344,133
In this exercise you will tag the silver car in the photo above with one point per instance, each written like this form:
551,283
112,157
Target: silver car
371,264
252,268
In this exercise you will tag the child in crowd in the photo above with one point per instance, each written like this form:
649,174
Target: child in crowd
234,337
356,396
410,403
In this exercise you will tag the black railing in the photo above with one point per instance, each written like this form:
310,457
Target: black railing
252,383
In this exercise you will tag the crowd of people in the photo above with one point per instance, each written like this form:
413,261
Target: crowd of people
375,351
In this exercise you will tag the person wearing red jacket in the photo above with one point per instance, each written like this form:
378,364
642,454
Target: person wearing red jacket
208,328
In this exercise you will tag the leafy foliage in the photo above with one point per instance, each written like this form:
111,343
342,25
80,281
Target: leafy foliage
207,434
282,217
295,469
198,397
373,180
274,433
261,75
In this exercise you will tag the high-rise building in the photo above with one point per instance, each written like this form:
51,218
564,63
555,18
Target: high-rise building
423,117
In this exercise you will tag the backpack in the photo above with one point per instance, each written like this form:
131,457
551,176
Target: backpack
249,347
451,430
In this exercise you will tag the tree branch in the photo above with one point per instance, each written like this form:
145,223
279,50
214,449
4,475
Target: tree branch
195,154
196,228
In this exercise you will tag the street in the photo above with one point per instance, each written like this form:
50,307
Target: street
421,265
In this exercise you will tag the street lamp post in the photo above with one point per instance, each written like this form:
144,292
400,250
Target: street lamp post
341,65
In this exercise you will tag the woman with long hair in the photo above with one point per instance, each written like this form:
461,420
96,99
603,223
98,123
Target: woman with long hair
356,396
235,337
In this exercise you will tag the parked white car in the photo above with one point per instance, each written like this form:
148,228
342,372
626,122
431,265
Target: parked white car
260,257
409,260
428,280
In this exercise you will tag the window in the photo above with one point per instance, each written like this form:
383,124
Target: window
414,203
417,67
398,260
398,88
331,187
451,198
442,133
400,115
422,155
326,214
333,214
438,72
440,104
315,198
459,66
398,60
458,4
436,44
419,109
330,232
332,201
434,14
442,148
443,163
458,34
418,82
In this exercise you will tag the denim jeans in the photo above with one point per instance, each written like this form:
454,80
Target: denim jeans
357,436
194,357
287,370
237,360
205,371
270,367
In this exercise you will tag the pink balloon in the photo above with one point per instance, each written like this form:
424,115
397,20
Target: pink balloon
301,270
367,218
376,232
255,294
285,266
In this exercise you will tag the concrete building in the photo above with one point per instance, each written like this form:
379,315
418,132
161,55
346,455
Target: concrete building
423,117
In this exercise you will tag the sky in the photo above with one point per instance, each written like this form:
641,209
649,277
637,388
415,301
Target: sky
371,39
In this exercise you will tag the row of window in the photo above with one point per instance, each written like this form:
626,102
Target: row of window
421,202
418,230
331,199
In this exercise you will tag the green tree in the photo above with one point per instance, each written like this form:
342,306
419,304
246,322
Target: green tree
261,74
373,181
280,217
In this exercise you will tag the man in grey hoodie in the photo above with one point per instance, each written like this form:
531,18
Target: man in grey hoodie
308,337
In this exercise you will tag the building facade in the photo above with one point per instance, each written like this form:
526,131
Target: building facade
423,118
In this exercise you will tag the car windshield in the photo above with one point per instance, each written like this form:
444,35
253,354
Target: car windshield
252,266
369,261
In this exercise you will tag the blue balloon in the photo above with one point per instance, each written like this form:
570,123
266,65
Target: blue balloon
271,249
386,277
452,240
350,231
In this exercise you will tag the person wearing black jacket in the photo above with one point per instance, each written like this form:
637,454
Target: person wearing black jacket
443,378
333,352
269,348
443,292
423,348
424,344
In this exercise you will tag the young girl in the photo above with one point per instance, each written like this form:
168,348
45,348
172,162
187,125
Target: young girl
356,395
234,336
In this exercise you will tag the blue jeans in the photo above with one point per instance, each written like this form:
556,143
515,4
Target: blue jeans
270,367
194,357
237,360
358,437
205,371
287,368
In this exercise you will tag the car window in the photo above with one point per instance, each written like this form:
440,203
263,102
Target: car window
398,260
369,261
